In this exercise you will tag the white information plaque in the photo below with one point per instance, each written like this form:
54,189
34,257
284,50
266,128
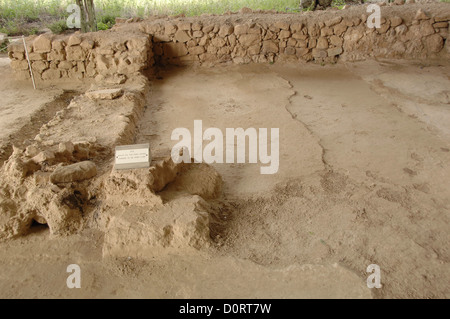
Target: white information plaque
132,156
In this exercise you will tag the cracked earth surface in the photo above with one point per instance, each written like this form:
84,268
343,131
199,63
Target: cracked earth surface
363,179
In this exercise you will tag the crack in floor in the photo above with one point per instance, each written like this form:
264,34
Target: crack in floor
295,117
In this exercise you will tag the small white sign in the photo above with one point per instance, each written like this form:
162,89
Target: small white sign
132,156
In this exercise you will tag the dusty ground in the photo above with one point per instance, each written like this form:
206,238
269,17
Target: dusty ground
24,110
363,179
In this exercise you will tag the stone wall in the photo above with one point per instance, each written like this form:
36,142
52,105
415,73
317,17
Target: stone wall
407,31
82,55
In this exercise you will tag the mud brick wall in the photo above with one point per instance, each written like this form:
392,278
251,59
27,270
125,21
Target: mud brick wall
405,32
81,56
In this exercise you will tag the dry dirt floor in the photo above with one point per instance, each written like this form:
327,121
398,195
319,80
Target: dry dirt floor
363,179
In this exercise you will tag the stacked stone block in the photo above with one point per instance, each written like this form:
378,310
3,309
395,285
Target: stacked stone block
81,56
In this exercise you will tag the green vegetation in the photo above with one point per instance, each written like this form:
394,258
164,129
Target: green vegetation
106,22
34,9
27,16
338,4
4,46
141,8
10,27
58,27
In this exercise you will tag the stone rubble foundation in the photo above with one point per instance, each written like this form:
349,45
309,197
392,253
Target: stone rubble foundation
406,31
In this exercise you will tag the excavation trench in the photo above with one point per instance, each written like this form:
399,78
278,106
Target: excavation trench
336,204
336,210
361,170
25,135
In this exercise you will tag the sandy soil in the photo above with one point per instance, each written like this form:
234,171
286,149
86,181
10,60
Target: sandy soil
24,110
363,179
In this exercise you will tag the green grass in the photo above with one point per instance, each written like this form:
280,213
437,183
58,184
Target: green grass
28,9
58,26
338,4
189,7
16,16
4,46
33,9
25,16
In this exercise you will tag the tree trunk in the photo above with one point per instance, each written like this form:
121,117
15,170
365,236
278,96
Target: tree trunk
87,11
82,16
90,9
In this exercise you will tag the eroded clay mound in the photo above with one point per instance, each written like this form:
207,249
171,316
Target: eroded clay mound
197,179
47,187
65,178
62,188
181,220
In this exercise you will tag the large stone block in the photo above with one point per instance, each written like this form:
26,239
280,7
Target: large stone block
138,44
218,42
226,30
37,56
74,173
58,44
182,36
339,28
240,29
107,94
40,66
319,54
247,40
434,43
56,55
334,51
74,40
322,43
332,22
270,47
42,44
75,53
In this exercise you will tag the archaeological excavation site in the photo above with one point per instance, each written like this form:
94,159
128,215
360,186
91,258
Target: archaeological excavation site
315,146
